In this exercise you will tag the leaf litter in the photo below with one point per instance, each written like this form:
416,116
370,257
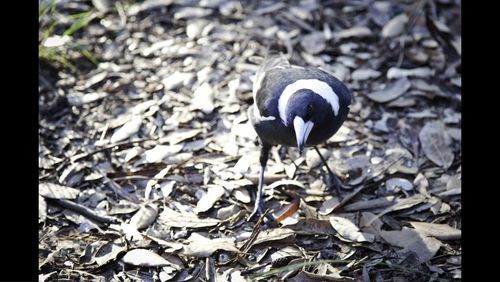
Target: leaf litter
148,163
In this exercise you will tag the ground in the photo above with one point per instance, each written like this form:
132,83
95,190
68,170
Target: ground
148,164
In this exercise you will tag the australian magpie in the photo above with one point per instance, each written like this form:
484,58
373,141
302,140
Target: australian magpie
295,106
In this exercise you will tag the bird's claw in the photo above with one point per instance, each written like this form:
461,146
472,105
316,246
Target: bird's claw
335,184
257,210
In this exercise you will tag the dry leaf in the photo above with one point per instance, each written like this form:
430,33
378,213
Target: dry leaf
436,144
109,251
397,182
313,226
127,130
56,191
438,231
392,91
395,26
172,218
348,230
207,201
200,246
160,152
412,241
144,216
42,209
275,234
143,257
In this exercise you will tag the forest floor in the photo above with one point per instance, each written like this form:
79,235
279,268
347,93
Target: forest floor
148,164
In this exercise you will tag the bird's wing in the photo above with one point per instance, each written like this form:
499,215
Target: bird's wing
269,63
262,96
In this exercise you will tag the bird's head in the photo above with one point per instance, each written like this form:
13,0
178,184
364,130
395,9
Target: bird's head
305,109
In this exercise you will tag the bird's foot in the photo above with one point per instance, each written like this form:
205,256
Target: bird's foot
335,184
257,210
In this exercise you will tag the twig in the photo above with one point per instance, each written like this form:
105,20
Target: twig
83,210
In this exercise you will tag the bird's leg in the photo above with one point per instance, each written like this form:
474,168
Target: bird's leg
259,200
333,179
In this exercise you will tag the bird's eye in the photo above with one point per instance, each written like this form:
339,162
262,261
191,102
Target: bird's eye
310,110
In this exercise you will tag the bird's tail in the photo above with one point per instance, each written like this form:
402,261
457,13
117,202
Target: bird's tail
273,59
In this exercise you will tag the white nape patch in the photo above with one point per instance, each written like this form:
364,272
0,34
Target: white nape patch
317,86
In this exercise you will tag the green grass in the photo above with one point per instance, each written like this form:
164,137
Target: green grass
48,16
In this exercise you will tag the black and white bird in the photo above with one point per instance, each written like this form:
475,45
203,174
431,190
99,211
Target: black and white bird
295,106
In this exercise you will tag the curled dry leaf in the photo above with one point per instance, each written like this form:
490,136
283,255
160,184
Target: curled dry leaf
176,79
286,182
312,226
349,231
288,211
424,247
394,73
242,195
395,26
203,98
275,234
200,246
364,74
227,212
143,257
78,99
144,216
56,191
328,206
109,251
172,218
160,152
127,130
398,182
357,32
370,204
436,143
438,231
313,43
42,209
392,91
207,201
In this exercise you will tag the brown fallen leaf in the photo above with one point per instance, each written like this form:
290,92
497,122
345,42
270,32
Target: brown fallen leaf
289,211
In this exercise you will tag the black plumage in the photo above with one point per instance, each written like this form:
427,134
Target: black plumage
295,106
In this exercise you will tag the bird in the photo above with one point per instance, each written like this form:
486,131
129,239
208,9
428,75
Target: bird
295,106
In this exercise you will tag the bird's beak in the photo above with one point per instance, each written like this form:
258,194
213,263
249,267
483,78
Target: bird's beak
302,130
